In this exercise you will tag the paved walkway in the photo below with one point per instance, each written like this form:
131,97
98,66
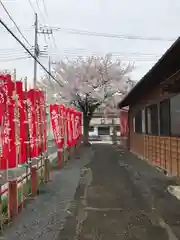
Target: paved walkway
105,194
43,216
121,197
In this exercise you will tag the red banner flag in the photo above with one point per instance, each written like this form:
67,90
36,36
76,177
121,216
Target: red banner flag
76,124
37,122
62,123
3,112
3,100
43,130
124,123
31,115
8,128
21,123
68,127
72,126
54,115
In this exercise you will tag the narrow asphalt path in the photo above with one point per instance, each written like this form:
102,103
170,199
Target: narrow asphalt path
43,217
102,194
121,197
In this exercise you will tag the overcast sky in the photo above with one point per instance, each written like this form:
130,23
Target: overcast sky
145,19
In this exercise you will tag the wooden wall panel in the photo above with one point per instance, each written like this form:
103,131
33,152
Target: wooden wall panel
163,152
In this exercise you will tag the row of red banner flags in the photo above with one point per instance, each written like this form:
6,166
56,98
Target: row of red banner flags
22,122
66,125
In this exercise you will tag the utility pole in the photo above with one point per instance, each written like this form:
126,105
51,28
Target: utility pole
49,62
46,31
37,52
36,49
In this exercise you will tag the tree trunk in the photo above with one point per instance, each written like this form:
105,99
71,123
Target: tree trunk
114,134
86,122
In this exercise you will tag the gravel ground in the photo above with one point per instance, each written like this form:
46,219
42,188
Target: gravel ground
44,216
121,197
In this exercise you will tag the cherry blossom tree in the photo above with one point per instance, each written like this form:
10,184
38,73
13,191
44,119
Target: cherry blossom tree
89,83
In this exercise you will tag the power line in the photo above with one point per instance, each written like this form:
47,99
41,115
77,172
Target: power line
54,42
109,35
121,57
45,39
25,29
7,50
118,52
81,50
11,52
14,22
37,3
45,9
46,30
118,55
14,59
12,55
40,13
32,7
22,44
19,52
8,57
72,56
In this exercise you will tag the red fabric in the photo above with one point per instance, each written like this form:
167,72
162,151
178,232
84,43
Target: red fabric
35,115
22,119
3,118
38,122
32,122
68,127
5,78
43,120
54,115
12,161
8,129
3,100
73,126
77,116
62,123
6,136
124,123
